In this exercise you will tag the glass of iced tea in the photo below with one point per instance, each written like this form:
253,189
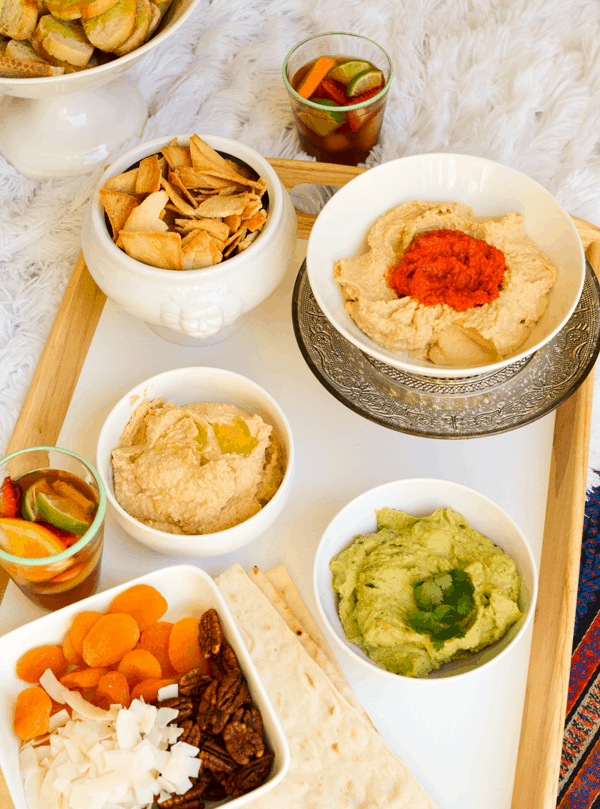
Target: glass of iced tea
52,507
337,85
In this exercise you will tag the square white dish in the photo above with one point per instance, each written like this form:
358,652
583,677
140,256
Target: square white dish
188,591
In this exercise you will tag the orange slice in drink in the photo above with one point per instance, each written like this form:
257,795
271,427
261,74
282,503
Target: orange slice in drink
32,541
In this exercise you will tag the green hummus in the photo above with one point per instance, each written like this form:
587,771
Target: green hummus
422,591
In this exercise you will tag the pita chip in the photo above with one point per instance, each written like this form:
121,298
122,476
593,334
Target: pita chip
222,206
146,216
149,175
118,208
177,156
203,156
162,250
199,251
125,183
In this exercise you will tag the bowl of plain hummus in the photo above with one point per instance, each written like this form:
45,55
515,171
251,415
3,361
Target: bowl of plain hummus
426,579
445,265
196,461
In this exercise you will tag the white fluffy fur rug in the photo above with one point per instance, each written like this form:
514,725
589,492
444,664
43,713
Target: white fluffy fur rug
517,81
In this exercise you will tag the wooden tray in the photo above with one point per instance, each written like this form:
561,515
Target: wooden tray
536,779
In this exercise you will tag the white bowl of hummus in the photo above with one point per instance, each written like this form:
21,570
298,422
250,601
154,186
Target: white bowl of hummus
197,461
425,579
384,268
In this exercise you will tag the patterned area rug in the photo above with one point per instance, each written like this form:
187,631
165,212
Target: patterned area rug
579,780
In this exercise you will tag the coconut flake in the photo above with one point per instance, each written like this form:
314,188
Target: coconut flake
168,692
53,687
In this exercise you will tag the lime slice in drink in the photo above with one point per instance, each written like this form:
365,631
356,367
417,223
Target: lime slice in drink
326,122
348,70
61,513
362,82
28,507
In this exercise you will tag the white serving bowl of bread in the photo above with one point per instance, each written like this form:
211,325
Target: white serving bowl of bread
65,107
185,386
192,306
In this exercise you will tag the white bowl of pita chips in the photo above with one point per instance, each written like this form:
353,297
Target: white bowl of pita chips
438,545
229,484
65,114
188,591
182,204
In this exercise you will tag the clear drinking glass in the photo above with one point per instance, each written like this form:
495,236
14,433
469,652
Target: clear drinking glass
337,133
48,574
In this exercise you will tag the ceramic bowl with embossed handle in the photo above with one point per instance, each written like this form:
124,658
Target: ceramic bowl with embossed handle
193,306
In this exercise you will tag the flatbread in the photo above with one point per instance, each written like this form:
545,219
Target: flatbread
338,760
310,646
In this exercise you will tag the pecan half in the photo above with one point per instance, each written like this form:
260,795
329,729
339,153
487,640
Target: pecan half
214,757
191,732
184,705
210,634
242,742
226,660
254,773
193,683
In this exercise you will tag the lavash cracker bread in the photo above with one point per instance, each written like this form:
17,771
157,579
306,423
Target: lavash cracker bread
282,582
310,645
338,761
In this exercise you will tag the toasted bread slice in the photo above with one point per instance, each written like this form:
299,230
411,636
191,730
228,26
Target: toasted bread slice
18,18
27,69
21,49
143,20
3,40
62,40
68,10
156,18
109,30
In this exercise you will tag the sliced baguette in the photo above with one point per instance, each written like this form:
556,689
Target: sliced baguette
18,18
143,20
27,69
156,18
18,49
68,10
109,30
62,40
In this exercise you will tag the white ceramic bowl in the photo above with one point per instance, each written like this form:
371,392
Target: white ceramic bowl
419,497
188,591
59,126
184,386
196,303
491,189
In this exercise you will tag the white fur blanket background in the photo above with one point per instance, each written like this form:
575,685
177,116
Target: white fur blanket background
517,81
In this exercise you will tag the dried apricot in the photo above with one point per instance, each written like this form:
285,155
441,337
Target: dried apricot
148,689
34,663
139,665
32,713
184,652
72,656
82,623
83,678
113,686
111,637
142,602
155,639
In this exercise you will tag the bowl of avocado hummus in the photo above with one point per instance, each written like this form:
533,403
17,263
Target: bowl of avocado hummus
425,579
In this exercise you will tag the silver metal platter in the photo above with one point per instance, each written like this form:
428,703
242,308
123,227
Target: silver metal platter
469,407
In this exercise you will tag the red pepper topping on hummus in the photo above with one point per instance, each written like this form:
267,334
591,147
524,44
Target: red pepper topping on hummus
449,266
